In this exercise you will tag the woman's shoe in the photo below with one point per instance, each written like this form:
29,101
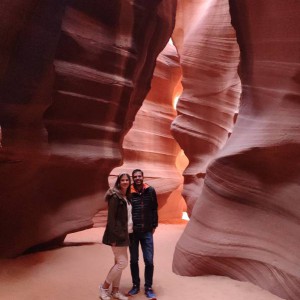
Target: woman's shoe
104,293
119,296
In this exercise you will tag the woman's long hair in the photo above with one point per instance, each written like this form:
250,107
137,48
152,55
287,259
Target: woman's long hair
118,186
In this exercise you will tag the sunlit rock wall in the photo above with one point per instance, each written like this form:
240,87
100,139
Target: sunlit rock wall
149,144
246,224
209,56
72,79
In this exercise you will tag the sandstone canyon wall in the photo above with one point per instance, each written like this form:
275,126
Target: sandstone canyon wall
150,146
73,76
209,56
246,222
73,79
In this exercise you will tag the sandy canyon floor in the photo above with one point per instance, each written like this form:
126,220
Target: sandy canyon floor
75,271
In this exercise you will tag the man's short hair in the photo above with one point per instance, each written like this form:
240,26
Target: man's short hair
137,170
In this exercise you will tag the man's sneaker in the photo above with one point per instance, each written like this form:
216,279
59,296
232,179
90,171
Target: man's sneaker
134,290
104,293
150,294
119,296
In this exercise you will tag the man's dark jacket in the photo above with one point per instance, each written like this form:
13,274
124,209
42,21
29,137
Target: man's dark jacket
144,208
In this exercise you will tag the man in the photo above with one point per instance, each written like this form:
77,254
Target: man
145,220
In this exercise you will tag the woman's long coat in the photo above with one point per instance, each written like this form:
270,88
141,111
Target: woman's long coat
116,231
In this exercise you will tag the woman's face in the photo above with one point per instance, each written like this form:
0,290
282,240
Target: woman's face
124,182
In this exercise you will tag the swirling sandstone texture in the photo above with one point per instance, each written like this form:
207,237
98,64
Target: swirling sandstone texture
73,75
149,144
246,223
209,57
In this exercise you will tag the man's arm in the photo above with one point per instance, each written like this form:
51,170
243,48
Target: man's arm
154,209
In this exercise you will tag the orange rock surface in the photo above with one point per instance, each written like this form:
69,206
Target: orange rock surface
150,146
245,223
209,56
87,91
72,79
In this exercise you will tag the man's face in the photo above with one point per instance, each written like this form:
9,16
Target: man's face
138,178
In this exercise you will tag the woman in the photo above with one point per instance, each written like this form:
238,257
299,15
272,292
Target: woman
118,227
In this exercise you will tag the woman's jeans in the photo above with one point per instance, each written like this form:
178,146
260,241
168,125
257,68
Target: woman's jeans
121,262
146,240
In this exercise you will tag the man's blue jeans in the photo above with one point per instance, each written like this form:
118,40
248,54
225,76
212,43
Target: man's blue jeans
146,240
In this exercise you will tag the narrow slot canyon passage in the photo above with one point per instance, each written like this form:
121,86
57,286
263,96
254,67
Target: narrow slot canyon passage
149,144
92,89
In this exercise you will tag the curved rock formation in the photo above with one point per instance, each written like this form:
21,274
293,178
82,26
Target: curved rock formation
73,76
209,56
73,80
149,144
247,218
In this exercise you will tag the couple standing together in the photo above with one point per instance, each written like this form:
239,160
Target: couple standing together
132,219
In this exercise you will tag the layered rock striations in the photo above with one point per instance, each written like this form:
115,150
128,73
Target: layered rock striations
73,76
150,146
27,77
247,218
209,56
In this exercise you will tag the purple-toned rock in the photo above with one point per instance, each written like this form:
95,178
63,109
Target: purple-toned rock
246,222
72,79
